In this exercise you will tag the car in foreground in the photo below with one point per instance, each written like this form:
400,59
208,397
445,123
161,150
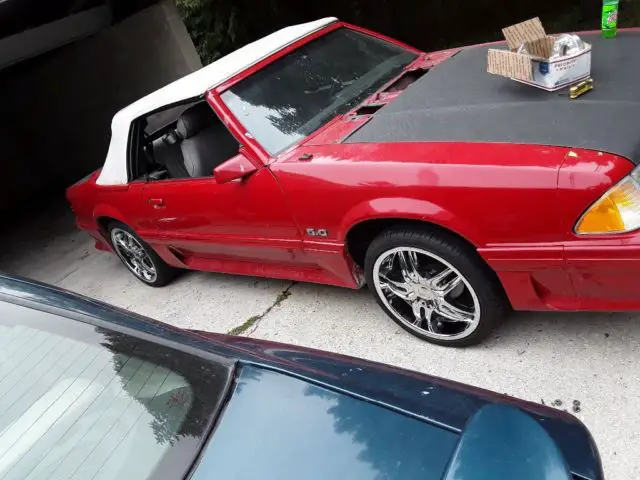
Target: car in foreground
328,153
91,391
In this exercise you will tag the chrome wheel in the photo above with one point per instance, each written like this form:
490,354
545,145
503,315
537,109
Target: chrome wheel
426,293
133,255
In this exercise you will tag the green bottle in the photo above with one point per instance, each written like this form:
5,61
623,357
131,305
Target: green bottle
610,18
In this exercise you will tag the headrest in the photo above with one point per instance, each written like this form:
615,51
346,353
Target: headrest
195,119
171,138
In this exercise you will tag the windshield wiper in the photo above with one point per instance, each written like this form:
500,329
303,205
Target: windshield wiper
335,83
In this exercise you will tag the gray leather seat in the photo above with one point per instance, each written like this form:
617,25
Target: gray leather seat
206,143
167,152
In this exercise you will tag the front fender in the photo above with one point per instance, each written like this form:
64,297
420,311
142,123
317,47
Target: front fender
407,209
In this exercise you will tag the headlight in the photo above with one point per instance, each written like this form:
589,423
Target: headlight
617,211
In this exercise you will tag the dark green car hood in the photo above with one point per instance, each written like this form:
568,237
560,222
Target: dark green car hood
279,427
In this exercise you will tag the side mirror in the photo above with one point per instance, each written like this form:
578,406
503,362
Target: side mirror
236,168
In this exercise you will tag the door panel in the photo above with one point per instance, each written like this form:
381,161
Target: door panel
244,220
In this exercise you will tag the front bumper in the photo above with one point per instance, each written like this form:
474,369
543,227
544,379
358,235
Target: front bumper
588,273
605,271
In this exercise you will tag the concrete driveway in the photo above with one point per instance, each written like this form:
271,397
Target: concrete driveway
584,363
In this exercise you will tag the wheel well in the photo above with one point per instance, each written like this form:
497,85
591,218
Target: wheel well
103,225
361,235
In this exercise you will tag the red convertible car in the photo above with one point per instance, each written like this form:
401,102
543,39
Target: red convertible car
327,153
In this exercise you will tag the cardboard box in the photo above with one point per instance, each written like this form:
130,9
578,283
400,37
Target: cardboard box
536,68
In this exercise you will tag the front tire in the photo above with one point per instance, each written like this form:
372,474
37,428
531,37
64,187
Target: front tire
138,256
434,286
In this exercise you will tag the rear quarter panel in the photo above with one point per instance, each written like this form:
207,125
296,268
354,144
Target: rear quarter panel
123,203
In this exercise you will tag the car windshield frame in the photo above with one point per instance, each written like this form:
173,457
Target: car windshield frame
177,460
358,89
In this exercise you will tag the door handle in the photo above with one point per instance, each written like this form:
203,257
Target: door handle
156,202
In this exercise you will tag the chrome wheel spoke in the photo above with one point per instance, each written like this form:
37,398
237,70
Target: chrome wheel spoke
145,267
136,266
423,313
451,312
445,287
408,265
430,323
142,269
150,268
129,242
122,243
139,250
399,289
418,306
439,278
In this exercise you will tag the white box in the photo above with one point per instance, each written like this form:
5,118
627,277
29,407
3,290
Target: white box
534,68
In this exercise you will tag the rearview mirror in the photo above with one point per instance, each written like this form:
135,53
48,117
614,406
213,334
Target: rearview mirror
236,168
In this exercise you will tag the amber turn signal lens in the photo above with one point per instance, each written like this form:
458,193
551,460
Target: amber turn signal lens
617,211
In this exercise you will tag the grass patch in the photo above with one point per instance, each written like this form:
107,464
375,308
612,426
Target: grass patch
251,321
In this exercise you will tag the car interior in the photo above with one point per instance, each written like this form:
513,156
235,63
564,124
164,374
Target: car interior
189,143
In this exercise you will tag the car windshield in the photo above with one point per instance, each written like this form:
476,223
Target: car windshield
79,402
297,94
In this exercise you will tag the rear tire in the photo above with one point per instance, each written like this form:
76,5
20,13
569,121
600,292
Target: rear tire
434,286
138,256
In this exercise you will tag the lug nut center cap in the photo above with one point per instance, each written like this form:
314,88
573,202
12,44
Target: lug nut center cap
423,292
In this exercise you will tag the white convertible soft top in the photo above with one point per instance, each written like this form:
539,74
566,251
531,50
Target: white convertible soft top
193,85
